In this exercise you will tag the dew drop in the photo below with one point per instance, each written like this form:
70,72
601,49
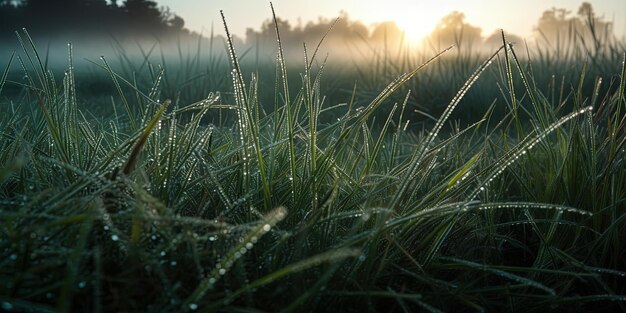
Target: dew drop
267,227
115,238
193,306
222,271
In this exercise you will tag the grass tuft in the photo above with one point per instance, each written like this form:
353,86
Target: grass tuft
229,203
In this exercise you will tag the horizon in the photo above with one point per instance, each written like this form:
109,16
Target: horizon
486,14
346,38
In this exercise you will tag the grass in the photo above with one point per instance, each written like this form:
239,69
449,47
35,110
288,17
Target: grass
282,208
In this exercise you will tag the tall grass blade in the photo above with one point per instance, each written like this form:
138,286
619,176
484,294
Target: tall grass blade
5,73
246,243
288,108
418,156
331,256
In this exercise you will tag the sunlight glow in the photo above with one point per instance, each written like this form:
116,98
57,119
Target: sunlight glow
417,19
415,28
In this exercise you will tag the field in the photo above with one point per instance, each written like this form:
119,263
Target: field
194,186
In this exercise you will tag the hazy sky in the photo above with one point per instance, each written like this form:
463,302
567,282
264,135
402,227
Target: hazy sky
417,17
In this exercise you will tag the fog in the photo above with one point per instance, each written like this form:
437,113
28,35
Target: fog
351,53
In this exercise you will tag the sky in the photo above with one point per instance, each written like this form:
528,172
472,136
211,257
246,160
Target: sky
416,17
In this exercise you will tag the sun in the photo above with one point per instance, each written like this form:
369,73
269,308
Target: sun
415,27
417,19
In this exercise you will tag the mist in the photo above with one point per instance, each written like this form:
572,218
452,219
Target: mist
137,40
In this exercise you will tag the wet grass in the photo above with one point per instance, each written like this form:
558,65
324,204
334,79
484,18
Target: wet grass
154,209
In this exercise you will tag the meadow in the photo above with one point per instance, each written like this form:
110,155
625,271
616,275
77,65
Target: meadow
214,184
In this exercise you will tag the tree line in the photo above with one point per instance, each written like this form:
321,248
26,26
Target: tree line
88,17
553,26
144,17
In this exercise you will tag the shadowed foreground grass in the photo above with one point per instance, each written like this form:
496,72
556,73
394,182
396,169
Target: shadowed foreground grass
153,209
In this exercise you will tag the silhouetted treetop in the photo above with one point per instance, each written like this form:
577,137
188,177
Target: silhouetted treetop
387,33
143,13
494,40
557,26
453,30
146,18
88,17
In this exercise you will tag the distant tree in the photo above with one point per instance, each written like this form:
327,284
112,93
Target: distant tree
586,10
176,22
10,14
268,28
265,38
594,26
560,26
343,33
96,3
343,29
45,7
143,14
7,6
453,30
554,22
88,17
387,33
494,40
13,3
